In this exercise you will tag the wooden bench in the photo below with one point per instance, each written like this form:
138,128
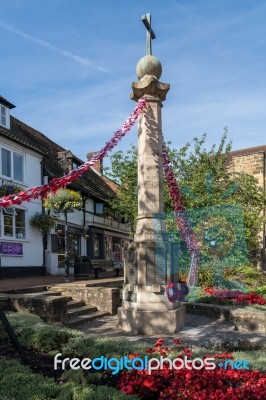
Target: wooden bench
83,266
108,265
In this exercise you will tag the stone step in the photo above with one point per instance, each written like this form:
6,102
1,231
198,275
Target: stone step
74,304
85,310
86,318
39,294
34,289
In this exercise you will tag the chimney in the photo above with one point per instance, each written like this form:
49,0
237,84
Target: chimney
98,165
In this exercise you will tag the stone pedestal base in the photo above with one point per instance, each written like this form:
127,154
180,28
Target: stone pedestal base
152,322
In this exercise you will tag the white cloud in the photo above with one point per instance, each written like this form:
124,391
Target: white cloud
81,60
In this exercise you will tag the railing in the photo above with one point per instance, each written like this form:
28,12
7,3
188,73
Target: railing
96,219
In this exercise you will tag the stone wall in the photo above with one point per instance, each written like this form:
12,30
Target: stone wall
243,319
253,162
49,308
103,298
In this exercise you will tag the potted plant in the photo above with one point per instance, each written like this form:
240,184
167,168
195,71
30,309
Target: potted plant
42,221
6,190
64,200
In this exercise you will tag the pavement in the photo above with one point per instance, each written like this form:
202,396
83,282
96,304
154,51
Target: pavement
199,330
49,280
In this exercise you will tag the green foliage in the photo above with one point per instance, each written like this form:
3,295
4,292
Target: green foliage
20,320
9,189
124,173
95,346
33,333
205,182
247,274
205,278
44,337
64,200
257,358
42,221
108,393
261,290
18,382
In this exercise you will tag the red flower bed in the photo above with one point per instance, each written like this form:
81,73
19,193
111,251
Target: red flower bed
216,384
236,295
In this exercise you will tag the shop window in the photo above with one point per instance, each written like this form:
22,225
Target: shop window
73,247
117,256
13,223
108,247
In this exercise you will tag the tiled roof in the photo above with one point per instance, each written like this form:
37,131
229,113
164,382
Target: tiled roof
91,183
6,103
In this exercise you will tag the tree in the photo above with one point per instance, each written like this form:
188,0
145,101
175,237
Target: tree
124,173
204,180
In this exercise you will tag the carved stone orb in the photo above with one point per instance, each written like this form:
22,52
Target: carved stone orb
149,65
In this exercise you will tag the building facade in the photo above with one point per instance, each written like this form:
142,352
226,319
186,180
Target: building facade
253,162
28,158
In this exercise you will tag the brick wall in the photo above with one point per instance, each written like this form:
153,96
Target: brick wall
252,162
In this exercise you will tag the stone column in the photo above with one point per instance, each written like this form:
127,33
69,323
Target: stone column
145,308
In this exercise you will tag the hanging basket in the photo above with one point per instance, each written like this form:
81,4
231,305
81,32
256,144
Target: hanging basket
44,222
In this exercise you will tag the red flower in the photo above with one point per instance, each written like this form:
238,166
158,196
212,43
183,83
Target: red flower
164,348
159,342
133,355
187,351
177,341
195,384
148,382
128,389
149,351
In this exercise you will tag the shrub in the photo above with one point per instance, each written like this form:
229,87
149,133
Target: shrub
35,334
19,382
93,346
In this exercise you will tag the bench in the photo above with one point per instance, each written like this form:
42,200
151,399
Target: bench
83,266
108,265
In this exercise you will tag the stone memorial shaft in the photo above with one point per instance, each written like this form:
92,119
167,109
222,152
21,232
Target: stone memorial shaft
148,261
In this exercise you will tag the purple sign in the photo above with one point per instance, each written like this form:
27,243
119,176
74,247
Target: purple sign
11,249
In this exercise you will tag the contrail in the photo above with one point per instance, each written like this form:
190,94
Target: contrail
43,43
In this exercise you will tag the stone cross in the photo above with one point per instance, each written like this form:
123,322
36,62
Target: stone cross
146,19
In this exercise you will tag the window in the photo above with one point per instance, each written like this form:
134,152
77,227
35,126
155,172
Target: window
99,208
12,165
6,162
13,223
3,116
18,167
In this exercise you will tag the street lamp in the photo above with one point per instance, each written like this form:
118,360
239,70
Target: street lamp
65,163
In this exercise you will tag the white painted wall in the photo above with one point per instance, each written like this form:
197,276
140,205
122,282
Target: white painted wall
32,244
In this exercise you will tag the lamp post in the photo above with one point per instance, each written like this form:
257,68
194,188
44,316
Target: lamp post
65,162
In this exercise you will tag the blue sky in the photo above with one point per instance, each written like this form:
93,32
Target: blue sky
68,67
